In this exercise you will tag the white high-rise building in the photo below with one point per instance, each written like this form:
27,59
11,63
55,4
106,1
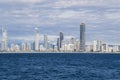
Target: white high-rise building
74,42
97,46
115,48
28,46
89,48
105,48
45,42
12,48
23,46
4,39
17,48
37,36
110,49
94,46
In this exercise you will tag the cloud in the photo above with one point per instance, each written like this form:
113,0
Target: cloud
22,1
87,3
100,16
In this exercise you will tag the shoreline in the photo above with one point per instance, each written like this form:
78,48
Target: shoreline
59,52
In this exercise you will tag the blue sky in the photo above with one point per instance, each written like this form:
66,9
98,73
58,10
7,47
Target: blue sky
102,18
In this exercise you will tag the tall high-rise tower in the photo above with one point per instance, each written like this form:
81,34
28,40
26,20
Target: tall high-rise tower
45,42
4,39
82,37
58,43
37,36
61,38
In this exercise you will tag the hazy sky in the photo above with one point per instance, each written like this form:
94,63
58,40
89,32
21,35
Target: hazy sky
102,18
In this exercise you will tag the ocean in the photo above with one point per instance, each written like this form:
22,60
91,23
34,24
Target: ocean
59,66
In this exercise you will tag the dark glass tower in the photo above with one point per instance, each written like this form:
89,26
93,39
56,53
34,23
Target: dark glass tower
58,44
82,37
61,38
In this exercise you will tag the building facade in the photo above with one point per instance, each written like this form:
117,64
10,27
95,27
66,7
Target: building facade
4,39
82,37
45,42
61,38
37,36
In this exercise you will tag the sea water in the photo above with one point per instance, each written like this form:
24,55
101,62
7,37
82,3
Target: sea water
59,66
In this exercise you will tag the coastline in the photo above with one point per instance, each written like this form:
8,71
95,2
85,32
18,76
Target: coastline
59,52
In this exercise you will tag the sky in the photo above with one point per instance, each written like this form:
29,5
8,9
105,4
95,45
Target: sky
102,19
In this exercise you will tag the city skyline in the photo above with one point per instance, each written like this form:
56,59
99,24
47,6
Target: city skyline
59,39
61,45
51,17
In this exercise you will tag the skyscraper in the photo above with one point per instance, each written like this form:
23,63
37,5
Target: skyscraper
23,46
94,46
37,39
4,39
97,45
29,46
58,44
82,37
45,41
48,45
61,38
